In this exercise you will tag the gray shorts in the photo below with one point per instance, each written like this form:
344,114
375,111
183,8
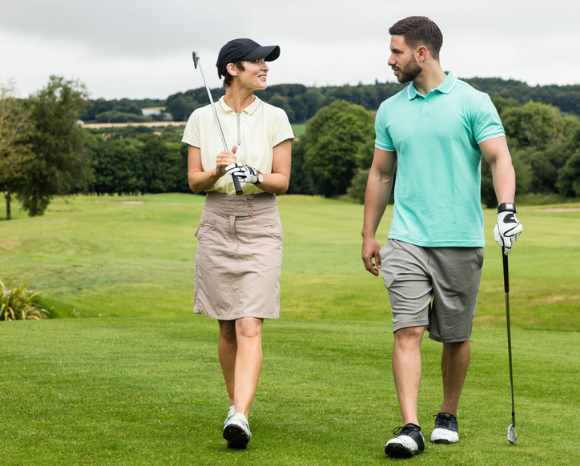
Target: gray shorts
432,287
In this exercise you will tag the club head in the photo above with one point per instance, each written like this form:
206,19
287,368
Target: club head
195,57
512,437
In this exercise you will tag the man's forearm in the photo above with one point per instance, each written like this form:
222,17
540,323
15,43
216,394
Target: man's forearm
377,195
504,179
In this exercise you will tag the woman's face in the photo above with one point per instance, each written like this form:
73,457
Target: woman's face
255,75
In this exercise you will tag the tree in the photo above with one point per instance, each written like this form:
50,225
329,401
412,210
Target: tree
523,177
533,125
60,163
116,165
159,166
569,179
568,183
299,182
332,140
15,151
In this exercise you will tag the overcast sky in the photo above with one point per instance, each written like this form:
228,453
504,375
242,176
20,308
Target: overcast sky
122,48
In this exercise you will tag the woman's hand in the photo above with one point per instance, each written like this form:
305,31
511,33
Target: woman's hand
224,159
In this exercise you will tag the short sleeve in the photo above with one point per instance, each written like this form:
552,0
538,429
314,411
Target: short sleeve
485,121
282,129
191,131
383,139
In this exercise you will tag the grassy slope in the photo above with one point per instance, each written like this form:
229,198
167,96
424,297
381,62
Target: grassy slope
141,384
133,256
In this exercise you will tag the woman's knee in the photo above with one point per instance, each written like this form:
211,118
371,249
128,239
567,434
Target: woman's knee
248,327
409,335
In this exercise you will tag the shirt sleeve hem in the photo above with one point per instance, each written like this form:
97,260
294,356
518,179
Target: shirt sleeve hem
384,147
191,143
485,137
282,139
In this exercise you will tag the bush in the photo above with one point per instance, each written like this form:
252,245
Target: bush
20,304
569,180
523,178
358,185
333,138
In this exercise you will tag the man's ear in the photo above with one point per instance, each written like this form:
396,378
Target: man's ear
422,53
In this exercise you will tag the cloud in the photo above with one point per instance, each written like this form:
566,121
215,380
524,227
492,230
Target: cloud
143,48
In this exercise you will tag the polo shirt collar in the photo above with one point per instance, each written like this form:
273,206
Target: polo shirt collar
250,109
444,88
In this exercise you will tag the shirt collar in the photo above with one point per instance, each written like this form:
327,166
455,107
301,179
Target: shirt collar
250,109
444,88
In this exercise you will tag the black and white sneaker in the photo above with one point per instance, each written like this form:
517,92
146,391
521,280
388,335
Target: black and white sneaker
446,430
237,431
408,441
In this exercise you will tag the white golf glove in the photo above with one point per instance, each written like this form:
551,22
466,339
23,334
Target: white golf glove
244,173
508,228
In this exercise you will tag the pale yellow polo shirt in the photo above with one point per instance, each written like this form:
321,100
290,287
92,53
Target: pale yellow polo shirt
255,130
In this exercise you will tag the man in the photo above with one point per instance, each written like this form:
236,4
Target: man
434,131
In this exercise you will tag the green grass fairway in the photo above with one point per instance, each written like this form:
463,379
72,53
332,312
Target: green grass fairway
299,129
127,376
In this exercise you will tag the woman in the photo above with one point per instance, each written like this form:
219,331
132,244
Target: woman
239,253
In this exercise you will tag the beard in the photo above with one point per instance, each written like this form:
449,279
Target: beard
409,73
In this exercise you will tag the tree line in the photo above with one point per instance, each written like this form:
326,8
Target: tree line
44,152
302,102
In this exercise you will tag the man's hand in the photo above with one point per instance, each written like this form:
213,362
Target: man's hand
508,228
243,172
371,256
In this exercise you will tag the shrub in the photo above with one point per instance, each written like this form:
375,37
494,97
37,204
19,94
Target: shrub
358,184
20,304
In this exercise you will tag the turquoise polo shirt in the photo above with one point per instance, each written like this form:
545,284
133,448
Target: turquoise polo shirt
436,138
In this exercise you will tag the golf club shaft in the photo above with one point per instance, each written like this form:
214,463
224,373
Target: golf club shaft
235,179
225,144
506,284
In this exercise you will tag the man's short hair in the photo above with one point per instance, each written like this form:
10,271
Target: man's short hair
419,30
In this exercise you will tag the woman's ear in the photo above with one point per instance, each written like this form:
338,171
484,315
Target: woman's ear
232,69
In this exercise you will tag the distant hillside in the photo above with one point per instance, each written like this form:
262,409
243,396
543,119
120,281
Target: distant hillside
302,102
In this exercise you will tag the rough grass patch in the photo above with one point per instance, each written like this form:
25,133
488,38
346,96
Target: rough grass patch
19,303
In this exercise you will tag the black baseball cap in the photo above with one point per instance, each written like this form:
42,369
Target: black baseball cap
244,49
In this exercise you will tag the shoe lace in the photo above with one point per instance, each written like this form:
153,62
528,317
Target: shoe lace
404,430
445,420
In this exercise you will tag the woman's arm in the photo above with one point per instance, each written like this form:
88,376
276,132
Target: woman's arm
278,181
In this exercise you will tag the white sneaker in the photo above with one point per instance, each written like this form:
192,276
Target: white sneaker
231,412
407,442
237,431
446,430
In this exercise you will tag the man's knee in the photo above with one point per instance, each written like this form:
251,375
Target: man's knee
248,327
228,331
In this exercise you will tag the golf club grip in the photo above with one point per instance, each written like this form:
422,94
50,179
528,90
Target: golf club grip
506,272
237,185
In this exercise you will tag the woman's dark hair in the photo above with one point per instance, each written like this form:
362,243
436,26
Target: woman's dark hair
419,30
228,78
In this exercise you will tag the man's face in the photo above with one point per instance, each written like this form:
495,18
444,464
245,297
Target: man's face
402,60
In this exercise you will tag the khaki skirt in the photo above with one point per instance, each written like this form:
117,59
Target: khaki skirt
239,257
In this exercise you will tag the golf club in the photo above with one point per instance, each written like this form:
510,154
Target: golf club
512,437
196,65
